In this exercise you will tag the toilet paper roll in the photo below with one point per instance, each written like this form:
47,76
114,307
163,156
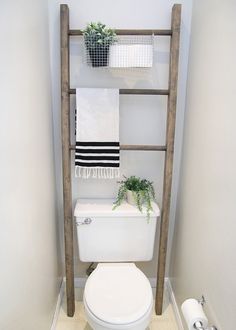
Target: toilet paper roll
193,312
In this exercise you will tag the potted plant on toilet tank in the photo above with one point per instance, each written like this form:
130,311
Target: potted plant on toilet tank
138,192
98,38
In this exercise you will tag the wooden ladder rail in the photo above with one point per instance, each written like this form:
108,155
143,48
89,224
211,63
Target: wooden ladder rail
66,91
170,136
66,159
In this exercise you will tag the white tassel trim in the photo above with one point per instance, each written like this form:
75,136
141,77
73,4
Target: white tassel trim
97,172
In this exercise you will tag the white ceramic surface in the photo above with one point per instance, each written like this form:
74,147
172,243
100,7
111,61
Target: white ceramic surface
118,293
118,296
131,198
97,324
114,236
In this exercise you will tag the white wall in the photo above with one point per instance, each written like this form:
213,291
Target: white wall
203,260
142,118
29,275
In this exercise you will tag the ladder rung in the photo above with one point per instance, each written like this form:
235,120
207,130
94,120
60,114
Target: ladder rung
144,147
135,91
130,32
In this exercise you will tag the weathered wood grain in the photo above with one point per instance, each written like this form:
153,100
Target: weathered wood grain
141,147
66,159
170,135
130,32
135,91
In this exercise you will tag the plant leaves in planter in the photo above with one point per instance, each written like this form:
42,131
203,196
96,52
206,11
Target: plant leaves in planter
143,193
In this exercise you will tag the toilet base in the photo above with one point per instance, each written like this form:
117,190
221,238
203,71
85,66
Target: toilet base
97,324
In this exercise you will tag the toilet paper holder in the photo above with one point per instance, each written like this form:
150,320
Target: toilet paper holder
199,326
202,301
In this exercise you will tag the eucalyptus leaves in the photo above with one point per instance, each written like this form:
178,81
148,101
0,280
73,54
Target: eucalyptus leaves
142,191
98,39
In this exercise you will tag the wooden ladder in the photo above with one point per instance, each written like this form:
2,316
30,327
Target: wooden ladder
168,148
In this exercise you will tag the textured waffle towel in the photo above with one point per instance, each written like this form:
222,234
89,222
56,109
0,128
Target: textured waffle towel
97,152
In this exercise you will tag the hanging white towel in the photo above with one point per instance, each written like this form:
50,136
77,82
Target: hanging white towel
97,152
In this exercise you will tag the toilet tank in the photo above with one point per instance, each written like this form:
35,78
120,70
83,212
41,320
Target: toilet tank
106,235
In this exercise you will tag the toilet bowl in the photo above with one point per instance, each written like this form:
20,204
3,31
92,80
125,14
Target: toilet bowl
118,296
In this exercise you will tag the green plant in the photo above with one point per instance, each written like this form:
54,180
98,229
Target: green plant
142,190
98,35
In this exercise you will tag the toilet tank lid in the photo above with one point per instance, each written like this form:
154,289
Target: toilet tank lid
103,208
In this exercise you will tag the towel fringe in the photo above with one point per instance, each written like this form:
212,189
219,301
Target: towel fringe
97,172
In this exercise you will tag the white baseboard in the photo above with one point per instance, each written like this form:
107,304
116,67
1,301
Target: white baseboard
58,305
80,283
174,304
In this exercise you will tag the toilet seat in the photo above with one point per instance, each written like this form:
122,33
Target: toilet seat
118,294
98,324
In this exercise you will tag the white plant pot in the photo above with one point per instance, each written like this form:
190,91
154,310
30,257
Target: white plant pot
131,56
130,197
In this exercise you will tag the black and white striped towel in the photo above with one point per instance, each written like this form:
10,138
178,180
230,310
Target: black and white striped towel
97,152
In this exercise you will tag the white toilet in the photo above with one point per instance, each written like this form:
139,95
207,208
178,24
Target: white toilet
117,294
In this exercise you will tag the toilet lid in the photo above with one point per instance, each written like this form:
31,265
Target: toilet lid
118,293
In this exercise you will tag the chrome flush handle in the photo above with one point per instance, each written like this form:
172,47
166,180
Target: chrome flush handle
86,221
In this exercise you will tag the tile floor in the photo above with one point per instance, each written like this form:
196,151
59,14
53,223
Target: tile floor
164,322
